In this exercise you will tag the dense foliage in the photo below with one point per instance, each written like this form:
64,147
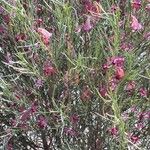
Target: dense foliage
74,74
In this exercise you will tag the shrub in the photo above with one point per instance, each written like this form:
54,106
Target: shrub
74,74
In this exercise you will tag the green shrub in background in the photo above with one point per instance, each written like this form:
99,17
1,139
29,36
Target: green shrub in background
74,75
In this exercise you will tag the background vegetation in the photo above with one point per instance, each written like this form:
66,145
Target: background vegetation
74,74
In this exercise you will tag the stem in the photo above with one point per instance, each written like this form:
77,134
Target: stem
119,121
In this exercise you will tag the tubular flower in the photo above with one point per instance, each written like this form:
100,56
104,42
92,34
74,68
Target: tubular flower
135,25
45,35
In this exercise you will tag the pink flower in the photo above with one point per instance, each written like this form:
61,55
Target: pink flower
103,91
42,122
119,74
89,6
34,107
39,83
27,113
144,115
136,4
48,69
70,131
20,37
130,86
135,25
74,118
113,131
6,18
105,66
45,35
118,61
134,138
143,92
39,22
87,26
